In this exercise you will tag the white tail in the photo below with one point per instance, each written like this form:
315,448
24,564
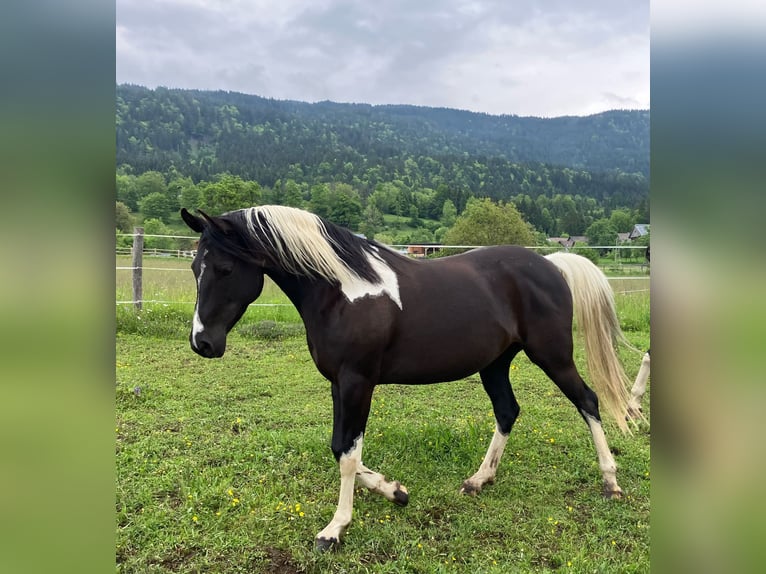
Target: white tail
599,326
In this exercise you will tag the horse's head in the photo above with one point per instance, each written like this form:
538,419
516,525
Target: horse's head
227,282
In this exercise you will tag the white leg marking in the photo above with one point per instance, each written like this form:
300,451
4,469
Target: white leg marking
348,463
197,326
389,284
639,387
605,459
376,482
488,469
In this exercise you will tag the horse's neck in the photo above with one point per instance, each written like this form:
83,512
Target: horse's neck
303,292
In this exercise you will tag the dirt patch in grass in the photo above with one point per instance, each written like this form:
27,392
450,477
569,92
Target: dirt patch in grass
280,562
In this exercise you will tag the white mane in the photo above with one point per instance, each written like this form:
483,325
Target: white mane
301,241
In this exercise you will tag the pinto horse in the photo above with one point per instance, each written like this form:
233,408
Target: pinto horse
369,312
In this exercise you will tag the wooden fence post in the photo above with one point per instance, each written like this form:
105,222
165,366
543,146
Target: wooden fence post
138,250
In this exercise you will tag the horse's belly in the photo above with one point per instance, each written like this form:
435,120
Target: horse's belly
442,358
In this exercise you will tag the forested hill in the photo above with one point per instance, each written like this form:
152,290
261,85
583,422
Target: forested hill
204,133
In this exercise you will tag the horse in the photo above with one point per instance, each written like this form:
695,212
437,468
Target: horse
369,311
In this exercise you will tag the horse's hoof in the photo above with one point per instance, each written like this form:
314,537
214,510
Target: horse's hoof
470,489
401,496
634,414
612,493
326,544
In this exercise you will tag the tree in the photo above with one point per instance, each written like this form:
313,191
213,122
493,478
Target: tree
439,234
449,213
124,220
570,220
155,206
384,238
175,191
622,220
291,194
426,201
150,182
421,235
414,216
228,193
601,232
344,206
190,197
156,227
486,223
372,221
640,243
126,190
587,253
320,200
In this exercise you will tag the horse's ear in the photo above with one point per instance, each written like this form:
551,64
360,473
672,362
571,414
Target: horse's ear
217,222
195,223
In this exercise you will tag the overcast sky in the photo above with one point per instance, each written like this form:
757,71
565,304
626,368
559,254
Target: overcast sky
530,58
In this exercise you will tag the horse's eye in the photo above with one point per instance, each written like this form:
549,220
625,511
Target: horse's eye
225,268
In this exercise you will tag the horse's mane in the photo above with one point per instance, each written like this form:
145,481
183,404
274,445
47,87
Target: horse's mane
303,243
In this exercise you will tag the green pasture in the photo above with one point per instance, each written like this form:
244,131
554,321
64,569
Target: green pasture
224,465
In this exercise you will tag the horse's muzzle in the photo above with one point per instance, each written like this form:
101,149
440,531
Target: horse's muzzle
206,348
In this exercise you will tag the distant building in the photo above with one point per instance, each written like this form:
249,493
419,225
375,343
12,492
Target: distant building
423,249
639,230
568,242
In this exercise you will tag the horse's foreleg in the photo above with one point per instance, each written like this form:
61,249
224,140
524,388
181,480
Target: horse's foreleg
376,482
639,388
348,463
351,468
351,407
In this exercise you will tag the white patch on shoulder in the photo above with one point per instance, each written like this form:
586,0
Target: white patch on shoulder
197,326
356,288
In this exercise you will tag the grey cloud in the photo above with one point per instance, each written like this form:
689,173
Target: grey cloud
486,55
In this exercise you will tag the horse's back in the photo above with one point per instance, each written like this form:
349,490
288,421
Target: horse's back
503,268
461,312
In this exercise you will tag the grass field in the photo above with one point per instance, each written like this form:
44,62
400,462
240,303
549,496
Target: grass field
224,465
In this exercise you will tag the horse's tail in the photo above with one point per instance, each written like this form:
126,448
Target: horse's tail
599,327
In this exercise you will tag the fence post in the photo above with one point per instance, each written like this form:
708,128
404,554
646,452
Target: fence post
138,250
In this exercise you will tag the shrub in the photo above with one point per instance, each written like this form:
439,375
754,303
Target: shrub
591,254
271,330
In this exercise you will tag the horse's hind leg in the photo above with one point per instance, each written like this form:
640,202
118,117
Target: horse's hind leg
498,387
639,388
556,361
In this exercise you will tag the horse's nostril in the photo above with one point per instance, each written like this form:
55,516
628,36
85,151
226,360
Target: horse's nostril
202,347
207,348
